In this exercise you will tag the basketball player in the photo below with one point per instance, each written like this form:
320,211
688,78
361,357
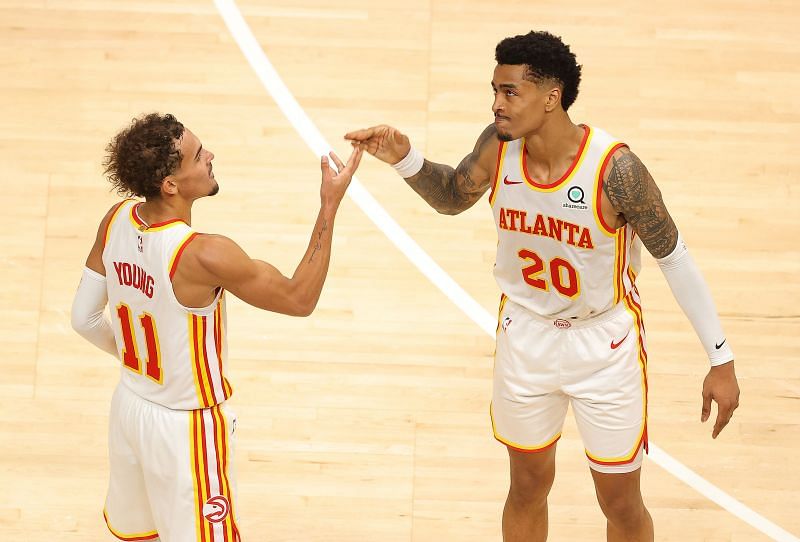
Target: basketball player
170,436
572,205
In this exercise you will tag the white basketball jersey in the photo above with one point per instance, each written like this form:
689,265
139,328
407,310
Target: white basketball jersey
171,355
555,254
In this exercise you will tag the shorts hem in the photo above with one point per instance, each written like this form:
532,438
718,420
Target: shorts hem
129,537
531,450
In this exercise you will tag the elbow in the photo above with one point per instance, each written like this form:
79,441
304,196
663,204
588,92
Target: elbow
304,306
78,322
303,310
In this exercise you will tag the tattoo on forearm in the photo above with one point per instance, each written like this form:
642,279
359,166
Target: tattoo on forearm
449,190
436,184
318,245
632,191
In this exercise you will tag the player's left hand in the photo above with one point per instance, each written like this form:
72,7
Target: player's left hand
720,385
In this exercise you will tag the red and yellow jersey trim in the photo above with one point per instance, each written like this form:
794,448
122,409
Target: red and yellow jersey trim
620,262
575,166
598,189
176,256
114,214
201,368
501,155
142,226
150,535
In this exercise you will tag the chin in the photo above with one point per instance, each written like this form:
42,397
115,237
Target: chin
505,136
214,191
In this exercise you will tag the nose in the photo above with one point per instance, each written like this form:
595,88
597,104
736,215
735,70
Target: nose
497,104
210,156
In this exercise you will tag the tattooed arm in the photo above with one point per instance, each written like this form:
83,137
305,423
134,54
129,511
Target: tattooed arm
449,191
452,191
634,195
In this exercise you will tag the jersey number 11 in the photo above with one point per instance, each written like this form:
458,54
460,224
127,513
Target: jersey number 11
130,352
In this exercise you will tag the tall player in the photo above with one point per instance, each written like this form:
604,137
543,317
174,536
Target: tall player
170,436
572,205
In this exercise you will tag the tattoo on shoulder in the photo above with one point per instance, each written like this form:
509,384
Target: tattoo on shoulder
633,192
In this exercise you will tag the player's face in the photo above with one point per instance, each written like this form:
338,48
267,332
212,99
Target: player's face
519,104
196,173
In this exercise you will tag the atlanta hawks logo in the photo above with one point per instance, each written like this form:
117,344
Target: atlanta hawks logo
216,509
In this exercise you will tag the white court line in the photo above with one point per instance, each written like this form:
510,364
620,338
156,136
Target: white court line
311,135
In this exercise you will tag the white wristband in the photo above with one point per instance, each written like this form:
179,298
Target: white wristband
411,164
694,297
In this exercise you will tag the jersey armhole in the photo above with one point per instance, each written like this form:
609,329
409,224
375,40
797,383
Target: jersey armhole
501,153
600,194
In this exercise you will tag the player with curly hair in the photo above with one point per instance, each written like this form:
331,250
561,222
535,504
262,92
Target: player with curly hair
572,206
171,431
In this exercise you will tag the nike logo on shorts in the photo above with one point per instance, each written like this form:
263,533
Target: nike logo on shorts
614,345
718,346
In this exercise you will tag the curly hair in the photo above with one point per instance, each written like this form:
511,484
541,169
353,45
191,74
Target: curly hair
547,57
140,156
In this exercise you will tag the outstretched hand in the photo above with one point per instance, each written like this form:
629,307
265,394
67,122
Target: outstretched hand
720,385
335,183
383,142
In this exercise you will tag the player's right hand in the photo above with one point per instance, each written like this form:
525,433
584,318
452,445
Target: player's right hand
383,142
335,183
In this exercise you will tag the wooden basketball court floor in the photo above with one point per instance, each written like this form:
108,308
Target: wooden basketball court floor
368,421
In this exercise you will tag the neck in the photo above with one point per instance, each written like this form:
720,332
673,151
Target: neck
156,210
554,140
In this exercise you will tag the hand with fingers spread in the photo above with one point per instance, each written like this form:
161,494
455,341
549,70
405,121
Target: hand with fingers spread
335,183
720,385
383,142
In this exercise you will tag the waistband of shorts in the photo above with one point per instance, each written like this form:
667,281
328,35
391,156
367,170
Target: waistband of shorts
575,323
125,389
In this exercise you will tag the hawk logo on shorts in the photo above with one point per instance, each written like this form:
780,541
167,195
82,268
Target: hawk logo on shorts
216,509
506,322
562,324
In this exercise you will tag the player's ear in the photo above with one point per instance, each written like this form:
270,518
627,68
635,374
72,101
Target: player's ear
553,99
169,186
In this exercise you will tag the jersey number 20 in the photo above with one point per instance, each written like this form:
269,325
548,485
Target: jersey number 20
562,275
130,353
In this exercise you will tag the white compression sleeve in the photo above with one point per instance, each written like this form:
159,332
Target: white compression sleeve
694,297
88,316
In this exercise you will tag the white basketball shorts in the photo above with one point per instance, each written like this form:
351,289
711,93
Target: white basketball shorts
171,472
598,365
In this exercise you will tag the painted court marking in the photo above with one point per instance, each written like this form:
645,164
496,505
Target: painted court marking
311,135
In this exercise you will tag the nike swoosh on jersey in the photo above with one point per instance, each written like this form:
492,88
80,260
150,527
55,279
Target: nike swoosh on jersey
614,345
506,181
718,346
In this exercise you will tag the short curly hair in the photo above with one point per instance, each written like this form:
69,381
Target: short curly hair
140,156
547,57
